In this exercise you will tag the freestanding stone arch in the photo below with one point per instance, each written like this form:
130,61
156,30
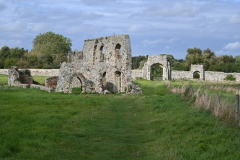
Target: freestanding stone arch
198,68
162,61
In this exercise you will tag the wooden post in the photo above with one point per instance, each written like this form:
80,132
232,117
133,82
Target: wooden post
218,98
237,108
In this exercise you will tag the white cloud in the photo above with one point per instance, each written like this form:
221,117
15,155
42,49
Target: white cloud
38,27
232,46
167,47
97,2
156,41
179,9
13,26
235,19
85,29
10,43
139,28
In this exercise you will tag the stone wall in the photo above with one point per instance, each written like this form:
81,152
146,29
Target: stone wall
51,82
137,74
181,75
103,63
220,76
37,72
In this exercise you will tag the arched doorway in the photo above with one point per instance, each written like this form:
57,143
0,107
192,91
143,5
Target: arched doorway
76,85
196,75
104,81
156,72
118,82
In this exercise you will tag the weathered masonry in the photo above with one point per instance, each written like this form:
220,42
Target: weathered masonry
103,64
145,72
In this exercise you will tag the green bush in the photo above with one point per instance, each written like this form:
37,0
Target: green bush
196,76
230,77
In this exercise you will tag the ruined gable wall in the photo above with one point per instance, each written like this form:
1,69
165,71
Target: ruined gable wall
94,63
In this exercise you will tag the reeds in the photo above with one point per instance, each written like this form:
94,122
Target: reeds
219,107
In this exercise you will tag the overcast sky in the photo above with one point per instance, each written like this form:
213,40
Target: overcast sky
155,26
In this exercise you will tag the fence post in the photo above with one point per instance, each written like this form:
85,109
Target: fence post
237,108
218,98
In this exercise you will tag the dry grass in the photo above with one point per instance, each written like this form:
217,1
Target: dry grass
223,109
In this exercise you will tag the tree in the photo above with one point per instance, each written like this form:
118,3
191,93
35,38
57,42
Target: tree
10,62
5,52
209,58
17,52
51,43
32,60
59,59
194,56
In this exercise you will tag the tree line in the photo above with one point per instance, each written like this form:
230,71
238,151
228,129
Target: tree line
51,49
207,58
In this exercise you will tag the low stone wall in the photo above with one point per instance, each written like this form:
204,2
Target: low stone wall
137,74
219,76
4,71
214,76
181,75
50,90
37,72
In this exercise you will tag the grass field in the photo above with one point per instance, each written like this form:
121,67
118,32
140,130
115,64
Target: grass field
35,124
204,87
4,79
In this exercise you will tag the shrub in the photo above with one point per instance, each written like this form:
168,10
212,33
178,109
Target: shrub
196,76
230,77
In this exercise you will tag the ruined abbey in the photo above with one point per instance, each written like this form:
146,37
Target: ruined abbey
104,66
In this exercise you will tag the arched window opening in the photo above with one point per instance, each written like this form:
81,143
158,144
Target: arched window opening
104,80
156,72
118,50
94,54
196,75
102,51
76,85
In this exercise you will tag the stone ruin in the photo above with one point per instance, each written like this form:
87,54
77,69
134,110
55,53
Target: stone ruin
102,66
156,60
23,78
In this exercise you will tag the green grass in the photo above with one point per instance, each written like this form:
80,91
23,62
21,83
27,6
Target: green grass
224,96
3,79
40,79
35,124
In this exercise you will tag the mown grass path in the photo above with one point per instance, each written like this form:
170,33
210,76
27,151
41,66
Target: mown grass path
35,124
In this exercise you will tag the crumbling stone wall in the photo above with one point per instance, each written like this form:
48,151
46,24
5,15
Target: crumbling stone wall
51,82
18,77
156,60
103,63
23,78
137,74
